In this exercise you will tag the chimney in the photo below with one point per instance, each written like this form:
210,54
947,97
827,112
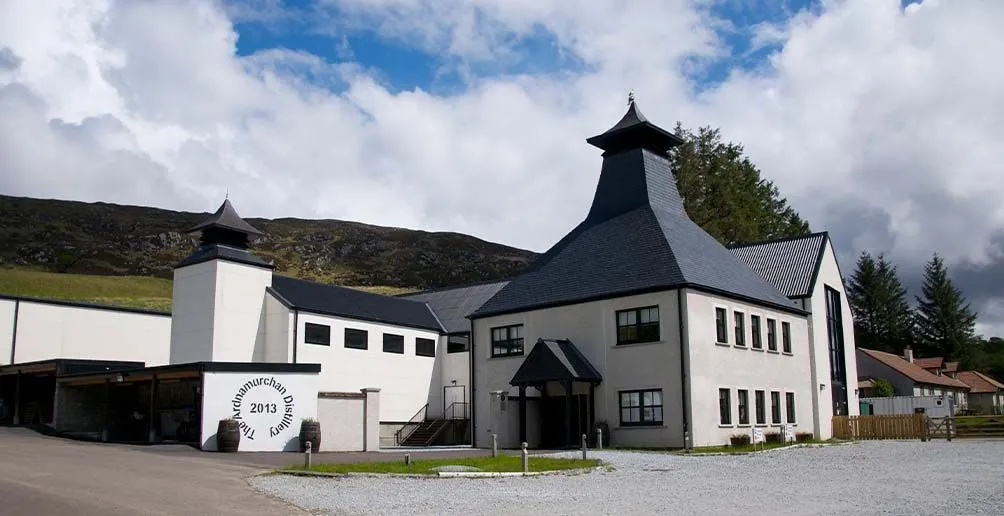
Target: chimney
908,354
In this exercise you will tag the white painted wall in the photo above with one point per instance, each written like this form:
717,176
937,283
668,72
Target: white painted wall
829,275
287,397
715,366
48,331
274,341
342,422
406,381
218,311
592,327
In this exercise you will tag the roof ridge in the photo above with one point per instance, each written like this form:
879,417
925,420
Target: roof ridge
364,292
778,240
455,287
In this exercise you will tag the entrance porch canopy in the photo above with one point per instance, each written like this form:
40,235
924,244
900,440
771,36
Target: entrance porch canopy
555,361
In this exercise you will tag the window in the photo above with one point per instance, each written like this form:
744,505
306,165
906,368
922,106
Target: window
638,325
393,343
319,334
789,398
761,408
835,334
720,325
786,337
725,406
425,347
744,407
640,408
775,407
507,341
771,335
458,344
755,328
356,339
740,328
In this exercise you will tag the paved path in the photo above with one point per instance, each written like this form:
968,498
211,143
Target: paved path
50,476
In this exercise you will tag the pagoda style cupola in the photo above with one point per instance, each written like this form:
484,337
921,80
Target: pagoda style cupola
634,131
225,235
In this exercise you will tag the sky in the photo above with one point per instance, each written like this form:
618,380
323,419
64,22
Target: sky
881,121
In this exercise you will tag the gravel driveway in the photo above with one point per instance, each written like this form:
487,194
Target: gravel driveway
877,477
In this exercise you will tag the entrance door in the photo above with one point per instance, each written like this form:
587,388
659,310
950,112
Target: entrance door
553,433
455,402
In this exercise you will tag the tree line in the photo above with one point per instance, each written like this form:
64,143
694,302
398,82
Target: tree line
941,324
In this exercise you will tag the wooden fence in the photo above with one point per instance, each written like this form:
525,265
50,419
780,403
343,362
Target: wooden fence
979,426
893,426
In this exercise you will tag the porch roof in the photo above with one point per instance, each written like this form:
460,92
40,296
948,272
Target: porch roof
555,360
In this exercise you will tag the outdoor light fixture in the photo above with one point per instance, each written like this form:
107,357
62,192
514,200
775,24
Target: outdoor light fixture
822,386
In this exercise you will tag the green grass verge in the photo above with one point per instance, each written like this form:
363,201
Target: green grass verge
502,463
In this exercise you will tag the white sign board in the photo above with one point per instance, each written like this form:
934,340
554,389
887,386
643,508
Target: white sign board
268,406
758,436
788,433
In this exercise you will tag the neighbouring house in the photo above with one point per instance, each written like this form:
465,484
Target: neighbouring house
641,321
907,377
938,366
986,395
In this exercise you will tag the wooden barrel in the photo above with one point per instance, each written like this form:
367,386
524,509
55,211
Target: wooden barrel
310,431
228,436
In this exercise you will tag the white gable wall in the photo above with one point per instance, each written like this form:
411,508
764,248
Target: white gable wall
714,366
6,329
406,381
193,301
274,341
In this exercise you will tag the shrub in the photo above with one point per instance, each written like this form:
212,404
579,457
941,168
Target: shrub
803,436
739,440
773,437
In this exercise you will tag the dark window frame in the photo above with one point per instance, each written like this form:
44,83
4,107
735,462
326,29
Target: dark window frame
650,331
725,406
365,334
775,407
771,334
739,321
391,339
757,332
510,346
743,403
721,325
642,421
307,334
785,337
789,402
419,342
760,400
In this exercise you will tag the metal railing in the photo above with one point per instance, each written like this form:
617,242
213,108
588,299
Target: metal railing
412,425
456,410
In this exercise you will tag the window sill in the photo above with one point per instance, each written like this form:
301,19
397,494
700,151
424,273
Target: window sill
641,427
503,357
725,344
761,425
739,346
757,349
773,352
743,425
726,426
637,344
787,353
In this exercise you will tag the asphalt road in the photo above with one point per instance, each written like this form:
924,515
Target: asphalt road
50,476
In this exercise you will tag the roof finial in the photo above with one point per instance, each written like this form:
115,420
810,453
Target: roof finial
226,196
631,97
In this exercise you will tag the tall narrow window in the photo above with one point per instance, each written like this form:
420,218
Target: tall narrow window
744,406
740,328
761,408
786,337
755,330
638,325
721,327
507,341
789,398
835,334
725,406
775,407
771,335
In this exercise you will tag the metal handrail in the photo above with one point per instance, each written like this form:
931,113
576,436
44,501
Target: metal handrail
451,411
412,423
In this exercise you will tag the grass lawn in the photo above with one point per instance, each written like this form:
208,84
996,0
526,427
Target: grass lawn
501,463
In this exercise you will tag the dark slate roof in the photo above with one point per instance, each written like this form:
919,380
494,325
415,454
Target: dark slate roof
634,130
354,304
636,238
226,253
790,264
453,305
226,217
555,360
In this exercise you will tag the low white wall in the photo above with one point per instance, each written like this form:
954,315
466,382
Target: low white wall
270,407
47,331
342,421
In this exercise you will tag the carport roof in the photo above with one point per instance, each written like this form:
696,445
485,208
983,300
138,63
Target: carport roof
555,361
66,366
204,367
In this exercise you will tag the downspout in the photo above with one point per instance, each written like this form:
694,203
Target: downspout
296,326
470,360
13,336
684,358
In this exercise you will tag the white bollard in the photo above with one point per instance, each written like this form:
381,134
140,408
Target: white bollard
599,438
584,446
407,459
495,445
526,458
306,455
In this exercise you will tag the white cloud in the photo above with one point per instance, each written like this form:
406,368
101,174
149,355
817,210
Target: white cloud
881,124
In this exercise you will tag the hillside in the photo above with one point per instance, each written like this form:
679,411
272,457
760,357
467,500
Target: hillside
115,240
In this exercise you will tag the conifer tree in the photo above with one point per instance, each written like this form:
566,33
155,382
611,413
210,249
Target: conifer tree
882,316
945,323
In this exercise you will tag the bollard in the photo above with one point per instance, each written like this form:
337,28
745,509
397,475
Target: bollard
407,459
583,446
495,445
599,438
526,458
306,455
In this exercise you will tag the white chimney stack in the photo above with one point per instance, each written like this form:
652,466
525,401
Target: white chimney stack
908,354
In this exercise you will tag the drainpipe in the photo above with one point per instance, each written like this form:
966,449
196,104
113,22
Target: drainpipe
296,327
13,337
470,362
684,358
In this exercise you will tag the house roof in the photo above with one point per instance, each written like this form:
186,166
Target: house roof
226,217
911,370
930,363
636,238
453,305
790,264
555,360
347,302
979,382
